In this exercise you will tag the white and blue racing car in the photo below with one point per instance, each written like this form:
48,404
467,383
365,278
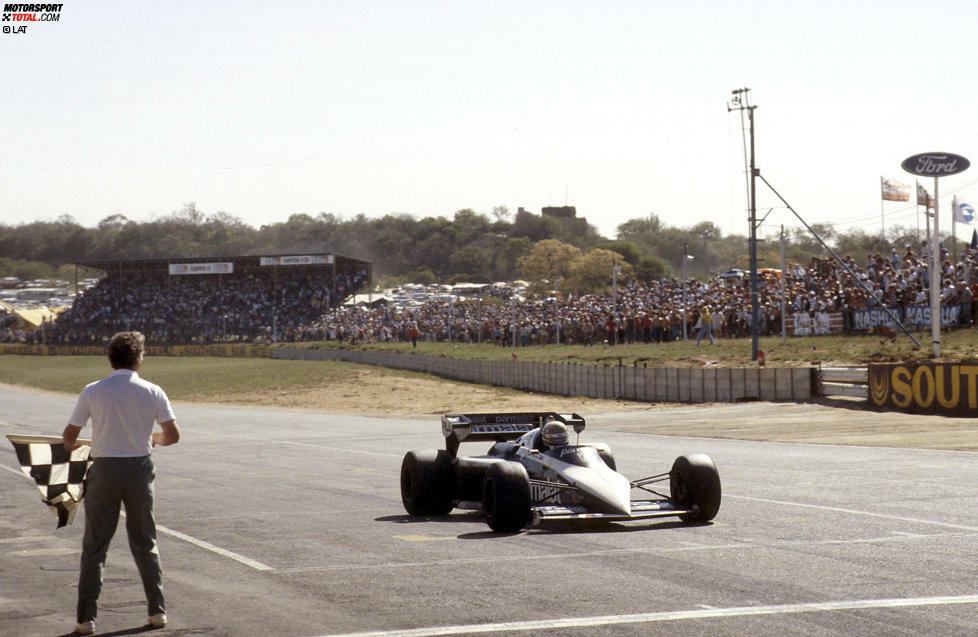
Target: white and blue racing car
533,474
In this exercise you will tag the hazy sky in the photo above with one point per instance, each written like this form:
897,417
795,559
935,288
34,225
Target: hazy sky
266,109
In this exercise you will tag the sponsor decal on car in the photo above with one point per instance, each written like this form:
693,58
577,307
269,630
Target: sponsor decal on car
499,429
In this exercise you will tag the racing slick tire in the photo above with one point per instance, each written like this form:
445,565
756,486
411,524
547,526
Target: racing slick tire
695,482
427,482
506,497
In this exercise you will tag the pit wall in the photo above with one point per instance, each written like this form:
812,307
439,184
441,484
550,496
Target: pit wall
638,383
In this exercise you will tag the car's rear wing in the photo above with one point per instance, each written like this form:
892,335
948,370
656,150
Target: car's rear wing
498,427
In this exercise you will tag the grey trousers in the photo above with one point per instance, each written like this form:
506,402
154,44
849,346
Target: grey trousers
112,482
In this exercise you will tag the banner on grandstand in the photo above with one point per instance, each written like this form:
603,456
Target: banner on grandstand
925,388
914,316
201,268
299,259
819,324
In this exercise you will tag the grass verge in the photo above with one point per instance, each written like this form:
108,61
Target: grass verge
185,378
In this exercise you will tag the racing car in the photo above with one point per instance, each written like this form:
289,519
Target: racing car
533,474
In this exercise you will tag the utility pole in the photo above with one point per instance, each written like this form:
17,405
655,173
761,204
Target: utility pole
557,308
741,102
615,270
686,258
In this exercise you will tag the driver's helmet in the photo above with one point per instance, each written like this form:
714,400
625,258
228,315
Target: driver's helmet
555,434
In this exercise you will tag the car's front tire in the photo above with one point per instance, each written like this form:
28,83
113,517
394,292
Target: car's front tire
694,484
506,497
427,482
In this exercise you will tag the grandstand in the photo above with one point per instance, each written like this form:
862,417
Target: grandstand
261,298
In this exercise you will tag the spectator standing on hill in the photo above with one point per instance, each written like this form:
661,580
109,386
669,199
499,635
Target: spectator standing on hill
705,324
123,408
413,333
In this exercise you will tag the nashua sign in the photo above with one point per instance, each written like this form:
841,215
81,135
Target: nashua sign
935,164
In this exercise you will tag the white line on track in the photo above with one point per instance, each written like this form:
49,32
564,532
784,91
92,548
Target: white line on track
728,546
14,471
884,516
709,613
207,546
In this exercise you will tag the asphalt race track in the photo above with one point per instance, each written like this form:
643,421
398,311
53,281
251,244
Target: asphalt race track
289,523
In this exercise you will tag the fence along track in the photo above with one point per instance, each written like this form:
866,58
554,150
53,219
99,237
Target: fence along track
636,383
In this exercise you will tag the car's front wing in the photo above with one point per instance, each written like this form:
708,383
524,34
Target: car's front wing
641,510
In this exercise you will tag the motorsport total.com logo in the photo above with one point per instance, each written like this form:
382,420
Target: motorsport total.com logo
17,17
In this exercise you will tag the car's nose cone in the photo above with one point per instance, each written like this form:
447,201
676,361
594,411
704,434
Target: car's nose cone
611,490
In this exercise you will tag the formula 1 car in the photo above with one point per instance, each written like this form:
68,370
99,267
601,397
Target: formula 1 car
526,479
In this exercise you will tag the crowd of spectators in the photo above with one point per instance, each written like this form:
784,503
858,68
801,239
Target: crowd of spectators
299,305
9,330
654,312
235,307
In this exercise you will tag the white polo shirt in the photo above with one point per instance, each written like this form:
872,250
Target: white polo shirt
123,408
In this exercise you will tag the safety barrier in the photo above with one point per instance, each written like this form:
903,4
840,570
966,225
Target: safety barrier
851,382
638,383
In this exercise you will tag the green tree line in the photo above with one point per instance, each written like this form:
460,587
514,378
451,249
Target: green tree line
467,246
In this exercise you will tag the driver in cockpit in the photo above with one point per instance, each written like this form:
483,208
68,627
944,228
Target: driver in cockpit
554,434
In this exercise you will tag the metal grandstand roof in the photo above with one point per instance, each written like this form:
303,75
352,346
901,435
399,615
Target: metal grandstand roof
132,265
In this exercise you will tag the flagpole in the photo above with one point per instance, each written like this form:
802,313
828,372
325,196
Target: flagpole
926,214
882,229
954,230
784,292
935,282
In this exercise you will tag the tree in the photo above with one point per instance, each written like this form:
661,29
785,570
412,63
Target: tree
652,269
628,250
505,266
593,272
112,223
707,231
639,228
189,214
470,225
533,227
548,260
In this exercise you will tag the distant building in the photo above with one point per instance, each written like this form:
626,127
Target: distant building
571,226
562,212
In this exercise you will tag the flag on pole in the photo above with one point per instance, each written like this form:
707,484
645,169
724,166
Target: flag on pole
893,190
923,197
963,213
58,474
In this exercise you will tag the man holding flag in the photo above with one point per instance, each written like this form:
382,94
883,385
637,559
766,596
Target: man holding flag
123,408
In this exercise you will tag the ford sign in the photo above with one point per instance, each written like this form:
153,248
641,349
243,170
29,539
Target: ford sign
935,164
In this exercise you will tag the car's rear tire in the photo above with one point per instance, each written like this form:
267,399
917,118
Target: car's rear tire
427,482
506,497
694,483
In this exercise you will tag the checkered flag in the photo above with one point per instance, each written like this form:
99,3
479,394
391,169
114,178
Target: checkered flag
58,474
